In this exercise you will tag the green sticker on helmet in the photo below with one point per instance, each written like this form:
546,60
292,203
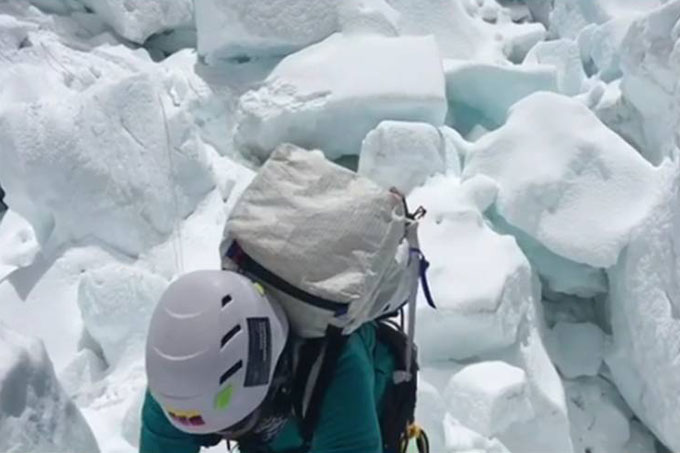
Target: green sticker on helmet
223,398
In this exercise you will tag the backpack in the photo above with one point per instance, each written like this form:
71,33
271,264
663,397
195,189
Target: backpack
337,251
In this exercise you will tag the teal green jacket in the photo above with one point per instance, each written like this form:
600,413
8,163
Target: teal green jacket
349,420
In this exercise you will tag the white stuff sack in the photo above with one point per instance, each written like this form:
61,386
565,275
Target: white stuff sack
326,231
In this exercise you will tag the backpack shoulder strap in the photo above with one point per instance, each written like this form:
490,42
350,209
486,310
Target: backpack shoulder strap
398,410
313,373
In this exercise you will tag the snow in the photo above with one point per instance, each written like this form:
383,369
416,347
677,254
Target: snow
558,274
601,421
116,303
137,20
430,412
150,160
356,81
569,17
484,284
552,226
35,413
540,10
125,163
492,89
565,56
454,146
81,377
35,296
132,423
460,439
58,6
461,32
577,349
18,244
488,397
236,29
402,155
601,45
650,63
492,278
548,430
555,185
644,318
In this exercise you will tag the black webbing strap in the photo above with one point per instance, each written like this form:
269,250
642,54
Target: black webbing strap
307,354
398,406
254,269
334,342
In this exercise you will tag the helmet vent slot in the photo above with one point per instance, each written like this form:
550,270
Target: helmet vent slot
225,300
229,335
231,371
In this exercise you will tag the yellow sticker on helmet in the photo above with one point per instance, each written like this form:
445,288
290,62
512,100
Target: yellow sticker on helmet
259,288
223,398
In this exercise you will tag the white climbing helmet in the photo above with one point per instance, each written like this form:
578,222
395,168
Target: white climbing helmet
213,344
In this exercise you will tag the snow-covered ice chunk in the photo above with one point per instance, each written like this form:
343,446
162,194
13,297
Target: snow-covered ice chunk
482,280
206,102
35,414
80,377
402,155
105,156
569,17
565,56
18,244
601,47
40,300
645,318
454,149
132,420
460,439
430,411
577,349
489,397
136,20
641,439
650,60
558,274
622,117
234,28
548,430
600,419
462,34
540,10
458,34
330,95
581,194
58,6
49,58
492,89
116,302
368,16
13,32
